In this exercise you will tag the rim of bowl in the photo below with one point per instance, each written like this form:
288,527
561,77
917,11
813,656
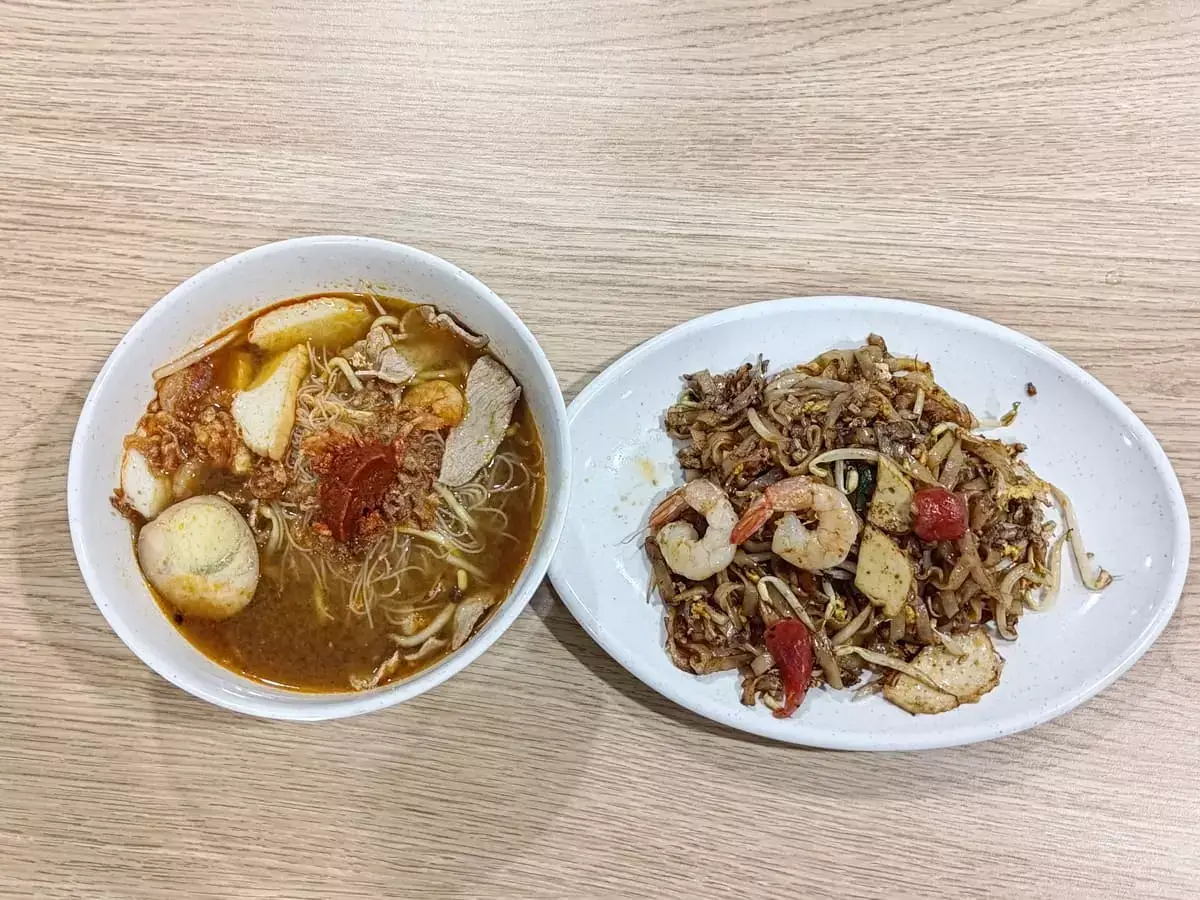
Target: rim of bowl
305,706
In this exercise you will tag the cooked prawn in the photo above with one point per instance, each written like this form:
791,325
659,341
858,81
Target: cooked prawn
444,403
685,552
822,547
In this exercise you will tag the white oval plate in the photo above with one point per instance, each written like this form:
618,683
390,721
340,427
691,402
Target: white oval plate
1080,437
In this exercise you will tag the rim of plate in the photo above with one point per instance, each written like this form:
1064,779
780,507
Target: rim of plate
779,729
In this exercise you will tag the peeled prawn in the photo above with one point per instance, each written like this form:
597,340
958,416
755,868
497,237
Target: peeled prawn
686,553
822,547
445,403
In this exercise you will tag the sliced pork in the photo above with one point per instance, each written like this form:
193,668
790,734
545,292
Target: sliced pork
491,396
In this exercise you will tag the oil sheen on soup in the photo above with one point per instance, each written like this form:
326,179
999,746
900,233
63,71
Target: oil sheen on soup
335,493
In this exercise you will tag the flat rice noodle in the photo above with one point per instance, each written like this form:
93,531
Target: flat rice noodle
953,465
762,663
938,453
660,571
885,406
719,663
706,384
958,575
924,629
969,550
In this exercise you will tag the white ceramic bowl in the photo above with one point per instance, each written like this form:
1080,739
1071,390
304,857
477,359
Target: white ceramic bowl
199,308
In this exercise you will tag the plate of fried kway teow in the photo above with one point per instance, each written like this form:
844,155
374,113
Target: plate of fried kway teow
867,524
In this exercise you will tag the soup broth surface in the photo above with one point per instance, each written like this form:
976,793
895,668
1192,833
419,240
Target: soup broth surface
333,612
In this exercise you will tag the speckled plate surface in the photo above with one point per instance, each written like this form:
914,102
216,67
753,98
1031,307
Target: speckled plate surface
1080,436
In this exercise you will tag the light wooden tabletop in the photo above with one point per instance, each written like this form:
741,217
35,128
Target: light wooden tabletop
611,168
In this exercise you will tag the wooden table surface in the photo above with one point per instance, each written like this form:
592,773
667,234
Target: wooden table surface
611,168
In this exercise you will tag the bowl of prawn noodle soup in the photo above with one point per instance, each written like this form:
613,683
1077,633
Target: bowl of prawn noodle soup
468,551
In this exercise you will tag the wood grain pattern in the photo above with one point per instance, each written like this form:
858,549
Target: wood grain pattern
611,168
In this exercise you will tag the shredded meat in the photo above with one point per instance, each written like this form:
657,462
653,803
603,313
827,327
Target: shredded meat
187,420
216,436
371,526
186,392
411,497
268,480
936,410
122,505
164,439
729,394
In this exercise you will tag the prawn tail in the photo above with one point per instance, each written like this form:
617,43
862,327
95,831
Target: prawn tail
755,518
669,510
